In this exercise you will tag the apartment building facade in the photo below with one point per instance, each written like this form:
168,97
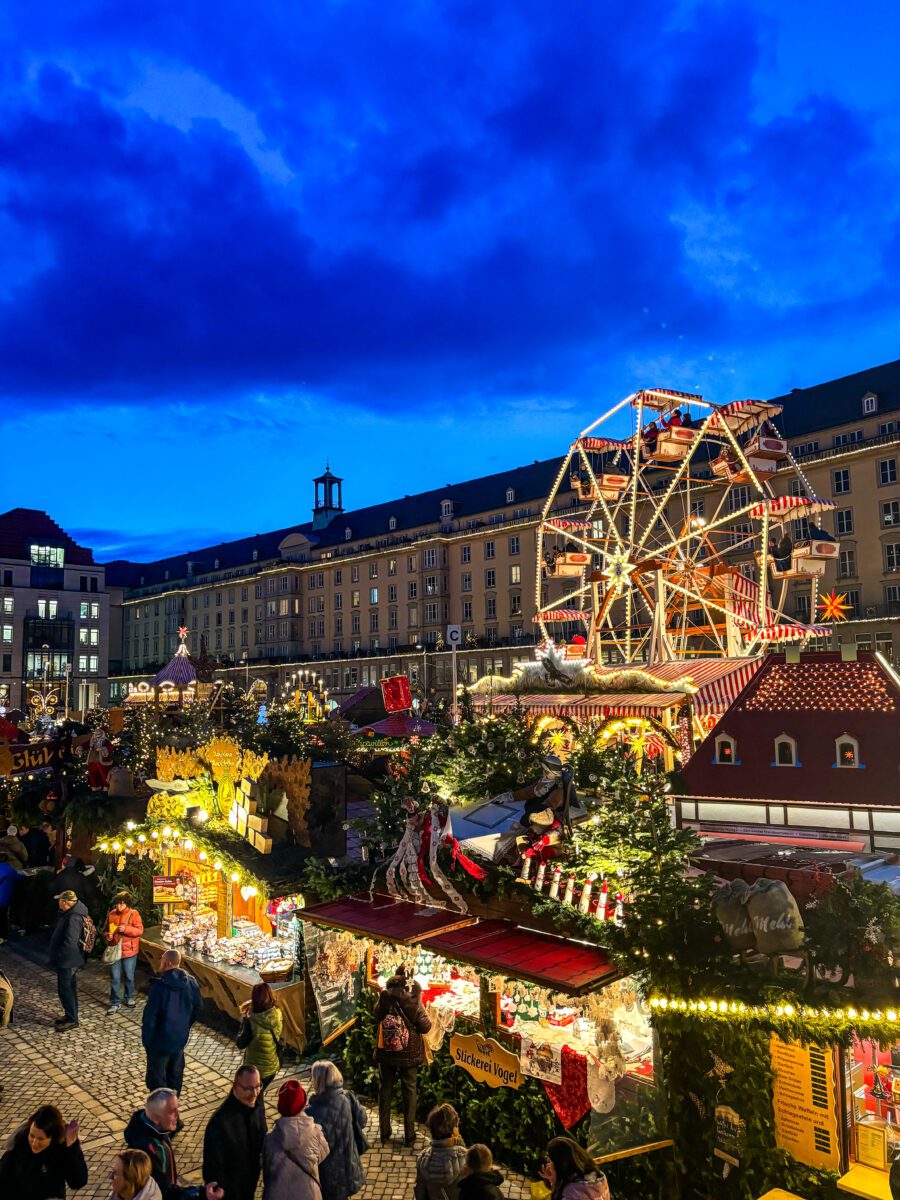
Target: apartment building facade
54,615
369,593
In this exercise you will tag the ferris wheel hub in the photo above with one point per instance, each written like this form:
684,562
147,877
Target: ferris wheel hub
617,568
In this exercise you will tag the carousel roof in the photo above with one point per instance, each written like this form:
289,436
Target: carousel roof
400,725
179,670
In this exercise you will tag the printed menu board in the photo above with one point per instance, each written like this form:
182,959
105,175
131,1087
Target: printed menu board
804,1100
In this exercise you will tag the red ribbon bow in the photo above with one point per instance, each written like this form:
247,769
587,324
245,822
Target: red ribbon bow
471,868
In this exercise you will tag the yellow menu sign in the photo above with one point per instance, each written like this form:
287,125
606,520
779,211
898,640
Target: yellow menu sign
804,1100
486,1060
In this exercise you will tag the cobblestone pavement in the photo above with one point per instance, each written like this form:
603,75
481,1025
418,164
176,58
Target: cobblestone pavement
95,1073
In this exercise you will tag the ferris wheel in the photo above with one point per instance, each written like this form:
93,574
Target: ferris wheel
670,543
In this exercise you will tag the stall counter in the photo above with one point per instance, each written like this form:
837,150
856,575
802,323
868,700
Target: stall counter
229,986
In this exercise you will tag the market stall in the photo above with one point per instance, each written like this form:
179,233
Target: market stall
507,1003
229,937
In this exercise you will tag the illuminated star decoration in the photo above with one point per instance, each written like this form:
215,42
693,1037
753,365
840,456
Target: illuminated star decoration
617,569
834,607
182,631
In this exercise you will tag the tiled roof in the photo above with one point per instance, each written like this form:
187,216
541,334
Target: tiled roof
849,687
839,402
530,484
21,526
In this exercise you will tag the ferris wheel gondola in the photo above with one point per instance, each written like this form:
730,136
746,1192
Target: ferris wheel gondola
659,542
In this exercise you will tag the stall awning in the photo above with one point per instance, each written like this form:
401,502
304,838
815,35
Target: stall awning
385,917
540,958
718,680
602,704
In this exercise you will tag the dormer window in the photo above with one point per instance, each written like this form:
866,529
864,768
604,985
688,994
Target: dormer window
726,751
446,509
255,555
215,564
392,524
869,403
348,534
167,574
786,751
846,751
510,495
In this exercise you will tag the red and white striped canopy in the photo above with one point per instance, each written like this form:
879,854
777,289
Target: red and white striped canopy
718,680
566,523
562,614
604,704
602,443
741,415
782,505
790,633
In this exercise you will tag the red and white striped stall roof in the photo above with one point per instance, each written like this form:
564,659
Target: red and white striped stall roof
780,505
562,614
718,680
603,704
741,415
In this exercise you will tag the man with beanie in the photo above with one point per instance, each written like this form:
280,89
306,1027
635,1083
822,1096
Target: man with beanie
233,1142
293,1150
172,1007
66,956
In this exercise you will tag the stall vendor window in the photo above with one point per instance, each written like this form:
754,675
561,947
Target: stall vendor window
872,1080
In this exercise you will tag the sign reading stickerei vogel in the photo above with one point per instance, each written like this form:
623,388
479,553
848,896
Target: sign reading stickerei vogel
486,1060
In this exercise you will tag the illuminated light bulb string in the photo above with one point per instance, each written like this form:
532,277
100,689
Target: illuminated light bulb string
737,1010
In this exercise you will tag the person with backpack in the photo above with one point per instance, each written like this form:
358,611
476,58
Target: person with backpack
71,942
401,1019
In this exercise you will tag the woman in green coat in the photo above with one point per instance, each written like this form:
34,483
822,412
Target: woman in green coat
260,1033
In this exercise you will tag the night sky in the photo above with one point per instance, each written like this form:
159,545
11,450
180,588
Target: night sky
424,240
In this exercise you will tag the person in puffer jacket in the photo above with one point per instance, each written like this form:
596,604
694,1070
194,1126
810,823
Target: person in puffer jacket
293,1149
439,1168
571,1173
260,1031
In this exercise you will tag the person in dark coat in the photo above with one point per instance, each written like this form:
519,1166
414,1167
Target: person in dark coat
8,879
150,1129
43,1159
37,844
172,1007
11,845
342,1120
66,956
234,1138
75,877
397,1001
481,1181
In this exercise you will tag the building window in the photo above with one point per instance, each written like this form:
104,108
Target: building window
466,554
887,471
490,607
892,556
373,622
392,566
354,574
510,495
786,751
392,594
846,751
886,428
373,570
373,595
515,573
431,585
514,544
698,507
805,448
412,617
795,488
843,521
348,534
467,581
890,513
739,498
726,751
488,549
850,438
392,524
411,563
8,605
7,634
47,609
430,559
392,619
840,481
802,607
515,605
354,623
870,404
847,564
354,599
47,556
467,610
412,589
490,578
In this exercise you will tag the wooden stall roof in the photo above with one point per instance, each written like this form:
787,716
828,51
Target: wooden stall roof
541,958
385,917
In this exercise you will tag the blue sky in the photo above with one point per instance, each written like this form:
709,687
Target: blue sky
423,240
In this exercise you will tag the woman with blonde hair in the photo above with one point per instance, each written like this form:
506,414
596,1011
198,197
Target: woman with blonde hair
342,1119
130,1177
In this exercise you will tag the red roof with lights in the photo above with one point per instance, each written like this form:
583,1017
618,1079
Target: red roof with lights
817,701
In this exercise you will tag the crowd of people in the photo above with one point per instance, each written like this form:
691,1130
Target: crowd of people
315,1149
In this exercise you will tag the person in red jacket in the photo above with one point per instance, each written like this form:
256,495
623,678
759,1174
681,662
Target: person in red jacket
123,927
